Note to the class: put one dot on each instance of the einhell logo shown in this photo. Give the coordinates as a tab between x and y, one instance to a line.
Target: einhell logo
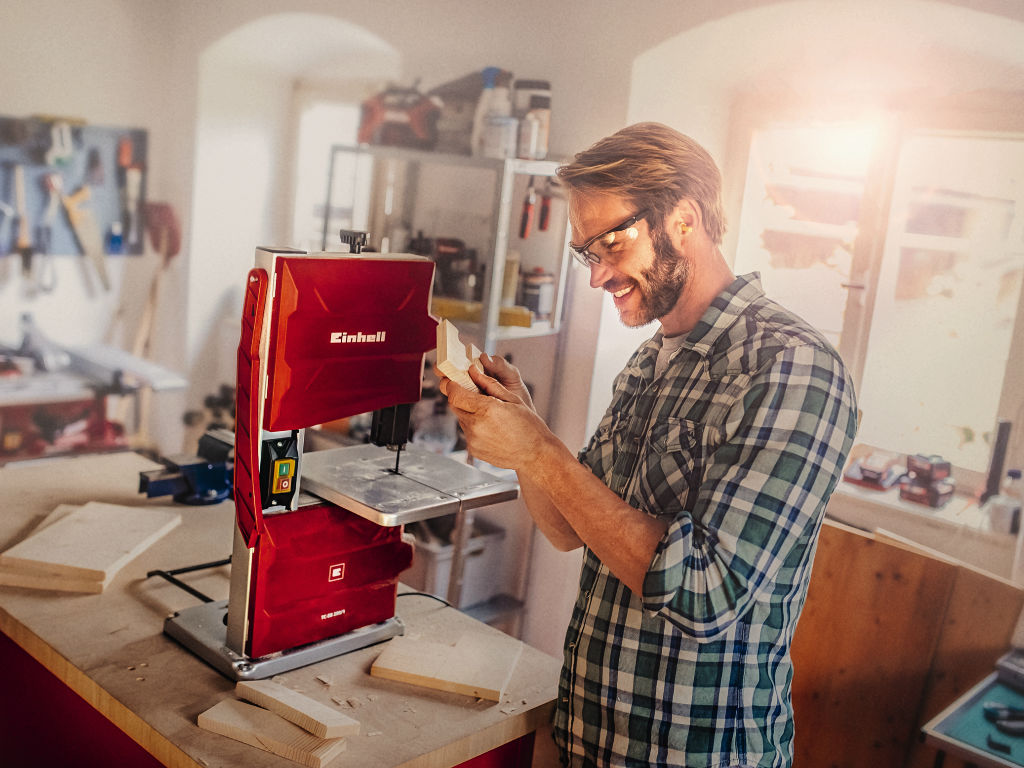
343	337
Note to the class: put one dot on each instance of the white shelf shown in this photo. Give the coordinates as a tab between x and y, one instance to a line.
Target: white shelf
498	229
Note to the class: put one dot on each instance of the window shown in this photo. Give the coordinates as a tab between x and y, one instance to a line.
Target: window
903	242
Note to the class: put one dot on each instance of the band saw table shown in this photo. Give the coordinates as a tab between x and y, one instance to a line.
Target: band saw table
110	651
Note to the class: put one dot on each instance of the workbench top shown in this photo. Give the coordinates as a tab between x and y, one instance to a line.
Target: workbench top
111	650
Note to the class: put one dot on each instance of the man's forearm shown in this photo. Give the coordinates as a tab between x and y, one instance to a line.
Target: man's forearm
545	514
622	537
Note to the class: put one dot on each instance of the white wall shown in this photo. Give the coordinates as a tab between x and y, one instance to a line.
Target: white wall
235	206
43	75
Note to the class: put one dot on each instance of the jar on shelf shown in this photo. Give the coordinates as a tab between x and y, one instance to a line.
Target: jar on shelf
539	293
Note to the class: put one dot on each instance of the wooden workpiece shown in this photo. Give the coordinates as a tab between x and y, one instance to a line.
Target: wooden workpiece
309	714
110	649
15	577
91	542
267	730
475	665
455	358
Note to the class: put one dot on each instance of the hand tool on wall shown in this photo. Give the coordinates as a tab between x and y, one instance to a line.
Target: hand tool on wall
62	146
87	233
129	180
23	240
165	237
7	215
46	280
132	196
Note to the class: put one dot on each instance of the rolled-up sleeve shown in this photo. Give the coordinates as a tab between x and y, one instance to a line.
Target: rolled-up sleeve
761	496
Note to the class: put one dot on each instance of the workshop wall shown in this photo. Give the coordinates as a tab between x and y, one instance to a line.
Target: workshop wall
107	64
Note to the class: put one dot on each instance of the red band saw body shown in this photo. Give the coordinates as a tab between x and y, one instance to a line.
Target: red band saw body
324	336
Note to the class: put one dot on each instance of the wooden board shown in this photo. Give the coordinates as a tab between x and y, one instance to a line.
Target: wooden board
977	628
93	542
476	665
261	728
863	648
307	713
454	358
14	577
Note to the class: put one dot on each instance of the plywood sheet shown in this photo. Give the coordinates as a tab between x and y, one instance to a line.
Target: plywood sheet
476	665
863	648
309	714
93	542
977	628
15	577
261	728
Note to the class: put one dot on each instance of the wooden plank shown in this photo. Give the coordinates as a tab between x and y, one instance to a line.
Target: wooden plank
14	577
307	713
270	732
476	665
977	628
93	542
454	358
10	577
862	650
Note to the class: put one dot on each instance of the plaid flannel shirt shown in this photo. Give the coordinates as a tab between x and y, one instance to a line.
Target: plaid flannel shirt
739	443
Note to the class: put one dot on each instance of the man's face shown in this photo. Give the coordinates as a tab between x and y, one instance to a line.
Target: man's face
641	268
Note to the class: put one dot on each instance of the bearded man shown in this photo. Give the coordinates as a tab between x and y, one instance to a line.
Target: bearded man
699	499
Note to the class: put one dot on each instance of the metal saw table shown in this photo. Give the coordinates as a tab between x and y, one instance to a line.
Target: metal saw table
109	650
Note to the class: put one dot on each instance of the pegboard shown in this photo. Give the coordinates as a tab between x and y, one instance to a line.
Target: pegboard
102	170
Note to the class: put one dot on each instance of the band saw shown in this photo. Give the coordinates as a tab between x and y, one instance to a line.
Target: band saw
318	541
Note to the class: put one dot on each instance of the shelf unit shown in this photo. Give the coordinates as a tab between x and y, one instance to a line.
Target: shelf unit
393	192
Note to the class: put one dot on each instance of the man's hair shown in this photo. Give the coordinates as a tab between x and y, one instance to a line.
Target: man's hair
655	167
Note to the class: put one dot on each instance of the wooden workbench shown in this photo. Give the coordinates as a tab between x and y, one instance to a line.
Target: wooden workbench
110	649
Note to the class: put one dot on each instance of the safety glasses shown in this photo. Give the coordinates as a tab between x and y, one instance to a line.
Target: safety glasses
607	244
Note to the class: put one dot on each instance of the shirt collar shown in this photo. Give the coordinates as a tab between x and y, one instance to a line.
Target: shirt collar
724	310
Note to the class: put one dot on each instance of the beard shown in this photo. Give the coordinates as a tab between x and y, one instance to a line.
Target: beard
661	284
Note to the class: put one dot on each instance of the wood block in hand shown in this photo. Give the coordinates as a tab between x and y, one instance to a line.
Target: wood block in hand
454	358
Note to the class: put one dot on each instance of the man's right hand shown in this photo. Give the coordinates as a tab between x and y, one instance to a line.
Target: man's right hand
508	376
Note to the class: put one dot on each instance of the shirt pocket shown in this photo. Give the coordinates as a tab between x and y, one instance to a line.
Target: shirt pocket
669	470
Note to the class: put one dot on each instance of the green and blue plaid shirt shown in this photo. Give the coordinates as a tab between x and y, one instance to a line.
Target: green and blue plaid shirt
739	443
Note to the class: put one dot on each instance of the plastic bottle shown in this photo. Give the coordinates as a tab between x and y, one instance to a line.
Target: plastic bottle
525	90
500	127
1004	508
539	292
483	108
534	128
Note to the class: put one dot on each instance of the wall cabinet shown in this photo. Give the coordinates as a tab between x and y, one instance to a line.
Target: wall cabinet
499	276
